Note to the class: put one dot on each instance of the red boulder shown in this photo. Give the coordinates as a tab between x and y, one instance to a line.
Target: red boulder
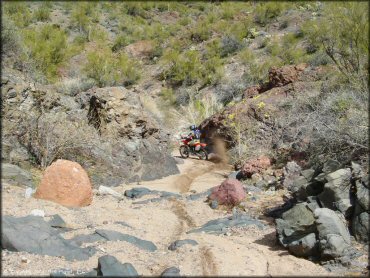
254	166
230	192
67	183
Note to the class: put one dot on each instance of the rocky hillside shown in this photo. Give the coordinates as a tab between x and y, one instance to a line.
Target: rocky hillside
107	130
279	91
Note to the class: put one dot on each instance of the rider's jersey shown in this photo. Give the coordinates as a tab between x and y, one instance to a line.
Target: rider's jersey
197	134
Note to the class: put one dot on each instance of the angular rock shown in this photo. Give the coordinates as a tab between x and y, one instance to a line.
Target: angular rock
284	75
333	233
336	192
360	224
29	192
196	196
357	172
362	196
32	234
104	190
235	175
308	174
137	192
80	239
304	247
38	212
230	192
122	223
171	272
178	243
214	204
109	266
331	166
219	226
291	171
14	175
66	183
140	243
295	223
255	166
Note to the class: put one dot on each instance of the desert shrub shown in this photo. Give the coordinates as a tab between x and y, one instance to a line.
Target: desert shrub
120	42
97	33
42	13
18	12
319	59
334	123
135	9
200	32
247	56
266	12
343	35
196	110
182	96
229	45
187	68
83	15
72	87
258	71
10	37
109	69
228	92
168	95
53	136
47	48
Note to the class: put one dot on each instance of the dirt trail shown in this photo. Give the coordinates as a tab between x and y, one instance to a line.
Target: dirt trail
245	251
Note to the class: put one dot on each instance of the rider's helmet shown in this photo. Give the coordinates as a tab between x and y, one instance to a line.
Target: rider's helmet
192	127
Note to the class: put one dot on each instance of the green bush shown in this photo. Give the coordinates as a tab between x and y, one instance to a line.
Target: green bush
120	42
265	12
48	48
247	56
229	45
10	37
109	69
168	96
200	32
42	13
343	34
19	13
188	68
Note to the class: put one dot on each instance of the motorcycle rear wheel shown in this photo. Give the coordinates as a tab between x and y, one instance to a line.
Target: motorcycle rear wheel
203	155
184	151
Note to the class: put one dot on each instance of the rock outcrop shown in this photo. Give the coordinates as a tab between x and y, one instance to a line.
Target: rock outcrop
129	143
332	203
66	183
32	234
255	166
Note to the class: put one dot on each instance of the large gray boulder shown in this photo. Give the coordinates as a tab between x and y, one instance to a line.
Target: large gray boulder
333	233
14	175
305	246
32	234
295	224
362	195
109	266
336	192
360	224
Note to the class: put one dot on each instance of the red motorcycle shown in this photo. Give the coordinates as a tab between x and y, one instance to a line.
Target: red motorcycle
198	149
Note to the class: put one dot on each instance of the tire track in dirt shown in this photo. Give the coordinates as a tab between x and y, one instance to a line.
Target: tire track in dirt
186	221
208	263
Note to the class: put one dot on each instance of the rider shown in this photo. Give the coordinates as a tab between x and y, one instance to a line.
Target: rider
194	135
